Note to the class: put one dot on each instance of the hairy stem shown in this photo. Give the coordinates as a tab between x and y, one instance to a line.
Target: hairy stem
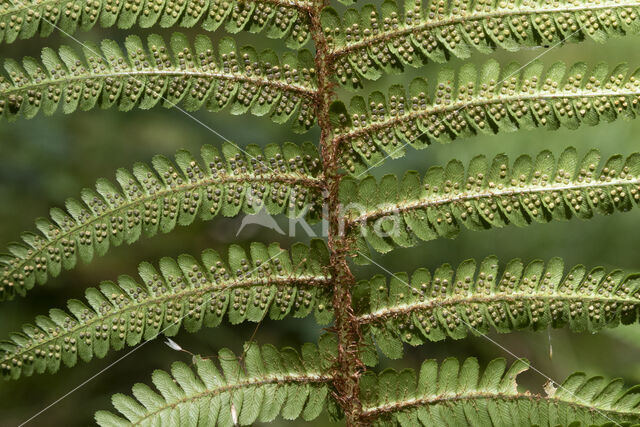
348	366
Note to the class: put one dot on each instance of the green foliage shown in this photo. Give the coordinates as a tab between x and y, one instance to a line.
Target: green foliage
278	19
183	292
458	395
309	182
259	386
178	73
450	303
489	194
370	43
474	102
280	179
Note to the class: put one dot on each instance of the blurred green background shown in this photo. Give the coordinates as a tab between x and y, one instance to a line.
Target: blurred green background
46	160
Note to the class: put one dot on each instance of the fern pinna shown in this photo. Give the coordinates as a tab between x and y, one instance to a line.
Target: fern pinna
330	181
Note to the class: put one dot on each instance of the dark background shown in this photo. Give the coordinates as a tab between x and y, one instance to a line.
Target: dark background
46	160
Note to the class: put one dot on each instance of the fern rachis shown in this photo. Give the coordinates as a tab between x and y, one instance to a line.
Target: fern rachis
329	181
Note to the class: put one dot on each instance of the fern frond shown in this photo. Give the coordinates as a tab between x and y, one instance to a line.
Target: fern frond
475	299
368	43
192	76
156	199
259	386
458	395
277	18
469	103
183	292
487	195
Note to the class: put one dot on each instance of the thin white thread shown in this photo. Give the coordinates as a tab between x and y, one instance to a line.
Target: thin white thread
173	104
506	350
139	346
462	108
251	156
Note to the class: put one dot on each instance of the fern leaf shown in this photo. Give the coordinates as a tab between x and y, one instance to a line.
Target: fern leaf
192	76
179	293
151	200
489	194
467	104
259	386
276	18
368	43
451	303
459	395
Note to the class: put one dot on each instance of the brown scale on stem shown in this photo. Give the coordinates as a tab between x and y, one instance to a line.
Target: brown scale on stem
348	366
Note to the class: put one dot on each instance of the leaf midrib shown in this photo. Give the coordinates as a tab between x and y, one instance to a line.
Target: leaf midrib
466	196
283	178
461	105
486	299
477	395
367	41
27	6
257	382
311	280
306	91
